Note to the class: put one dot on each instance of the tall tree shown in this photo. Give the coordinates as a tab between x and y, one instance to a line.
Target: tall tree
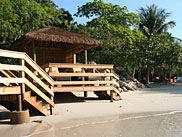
111	24
18	17
153	20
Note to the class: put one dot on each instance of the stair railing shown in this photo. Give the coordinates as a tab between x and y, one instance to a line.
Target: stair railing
30	75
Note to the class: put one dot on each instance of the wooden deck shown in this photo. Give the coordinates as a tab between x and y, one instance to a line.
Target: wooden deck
83	77
28	81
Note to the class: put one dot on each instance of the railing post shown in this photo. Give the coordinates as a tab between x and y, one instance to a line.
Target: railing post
20	97
111	92
52	98
83	79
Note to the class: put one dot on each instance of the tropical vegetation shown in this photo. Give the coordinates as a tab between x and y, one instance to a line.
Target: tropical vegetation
139	45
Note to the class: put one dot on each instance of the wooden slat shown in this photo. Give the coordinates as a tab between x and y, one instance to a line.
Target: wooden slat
54	75
41	94
42	84
86	88
22	55
10	90
8	73
13	80
11	67
116	90
11	54
115	83
4	81
39	69
67	65
81	82
115	75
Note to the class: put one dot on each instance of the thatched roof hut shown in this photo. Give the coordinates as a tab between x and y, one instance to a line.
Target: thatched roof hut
53	44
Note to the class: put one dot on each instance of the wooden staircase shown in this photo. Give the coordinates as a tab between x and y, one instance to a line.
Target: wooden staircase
24	85
32	100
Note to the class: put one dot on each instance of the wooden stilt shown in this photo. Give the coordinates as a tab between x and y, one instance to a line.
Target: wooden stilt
52	108
85	59
19	103
111	93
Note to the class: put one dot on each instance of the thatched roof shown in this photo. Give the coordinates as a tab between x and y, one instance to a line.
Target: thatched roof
55	34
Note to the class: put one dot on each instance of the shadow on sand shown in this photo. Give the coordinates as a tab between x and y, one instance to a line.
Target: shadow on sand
4	116
71	98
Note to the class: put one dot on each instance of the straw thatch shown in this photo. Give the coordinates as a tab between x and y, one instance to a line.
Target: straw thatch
55	34
53	44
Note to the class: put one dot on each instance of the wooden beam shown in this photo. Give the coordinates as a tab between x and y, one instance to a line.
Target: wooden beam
55	75
85	54
81	82
11	67
69	65
8	73
13	80
4	81
74	58
10	90
34	51
81	89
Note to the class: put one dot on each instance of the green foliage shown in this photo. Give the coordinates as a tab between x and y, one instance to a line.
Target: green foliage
153	20
18	17
111	24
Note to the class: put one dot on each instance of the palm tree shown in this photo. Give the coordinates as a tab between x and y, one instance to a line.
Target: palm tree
152	20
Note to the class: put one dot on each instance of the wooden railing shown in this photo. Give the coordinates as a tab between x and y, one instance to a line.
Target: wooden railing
100	76
28	75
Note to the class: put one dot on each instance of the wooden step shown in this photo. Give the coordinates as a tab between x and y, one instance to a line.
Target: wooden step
32	100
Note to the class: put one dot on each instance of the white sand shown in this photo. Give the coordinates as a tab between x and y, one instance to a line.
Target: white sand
161	98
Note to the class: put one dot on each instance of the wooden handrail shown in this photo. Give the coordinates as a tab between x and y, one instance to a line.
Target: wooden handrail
23	55
68	65
81	82
29	73
41	94
80	74
4	81
13	80
23	69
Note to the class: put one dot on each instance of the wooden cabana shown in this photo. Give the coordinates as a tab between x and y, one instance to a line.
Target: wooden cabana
54	45
55	51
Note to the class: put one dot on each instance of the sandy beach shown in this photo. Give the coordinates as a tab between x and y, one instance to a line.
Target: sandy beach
81	117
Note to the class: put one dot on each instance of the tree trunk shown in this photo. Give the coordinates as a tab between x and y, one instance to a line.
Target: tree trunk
148	75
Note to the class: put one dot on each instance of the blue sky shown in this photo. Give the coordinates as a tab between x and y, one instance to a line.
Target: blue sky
172	6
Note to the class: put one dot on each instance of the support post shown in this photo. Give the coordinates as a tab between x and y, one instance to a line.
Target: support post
34	51
85	61
111	92
52	108
20	97
74	58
